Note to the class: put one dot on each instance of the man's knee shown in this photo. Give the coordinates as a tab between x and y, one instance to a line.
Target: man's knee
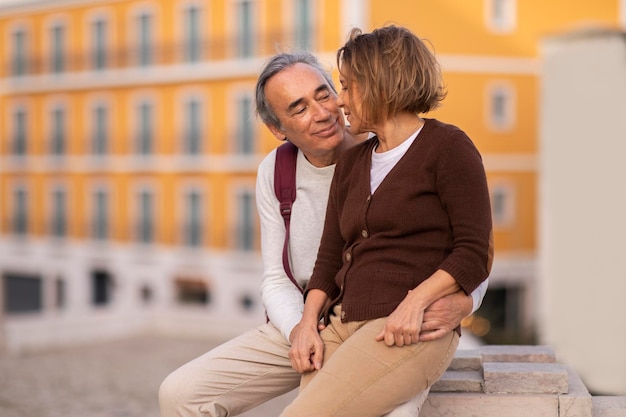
175	395
168	395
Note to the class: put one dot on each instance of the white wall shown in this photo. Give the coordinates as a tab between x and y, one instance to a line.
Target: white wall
582	227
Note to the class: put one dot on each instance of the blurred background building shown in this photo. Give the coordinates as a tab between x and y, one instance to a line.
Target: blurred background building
129	147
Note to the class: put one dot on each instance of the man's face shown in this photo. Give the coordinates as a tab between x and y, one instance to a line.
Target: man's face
307	109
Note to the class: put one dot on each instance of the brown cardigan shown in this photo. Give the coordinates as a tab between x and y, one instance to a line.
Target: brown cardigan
431	212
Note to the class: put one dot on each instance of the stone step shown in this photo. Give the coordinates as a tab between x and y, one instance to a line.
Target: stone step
577	401
524	378
517	353
442	404
459	381
608	406
466	360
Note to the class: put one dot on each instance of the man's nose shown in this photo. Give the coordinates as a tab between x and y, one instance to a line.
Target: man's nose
321	112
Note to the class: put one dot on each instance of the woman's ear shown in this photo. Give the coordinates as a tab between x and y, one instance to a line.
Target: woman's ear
277	132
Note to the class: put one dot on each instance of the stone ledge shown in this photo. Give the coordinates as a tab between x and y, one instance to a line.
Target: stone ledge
483	405
577	401
517	353
459	381
514	381
466	360
608	406
524	378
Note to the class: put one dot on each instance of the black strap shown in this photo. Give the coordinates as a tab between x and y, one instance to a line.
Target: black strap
285	189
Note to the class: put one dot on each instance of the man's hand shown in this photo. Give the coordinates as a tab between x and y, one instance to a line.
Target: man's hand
444	315
307	349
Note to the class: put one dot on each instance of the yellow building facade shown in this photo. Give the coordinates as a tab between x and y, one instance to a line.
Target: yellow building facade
129	147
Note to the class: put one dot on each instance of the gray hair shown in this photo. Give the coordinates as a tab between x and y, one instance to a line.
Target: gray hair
275	65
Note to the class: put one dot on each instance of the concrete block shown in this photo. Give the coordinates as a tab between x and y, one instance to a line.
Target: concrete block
524	378
466	360
608	406
481	405
517	353
459	381
577	401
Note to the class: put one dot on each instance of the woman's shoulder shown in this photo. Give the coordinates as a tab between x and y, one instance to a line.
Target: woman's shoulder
442	129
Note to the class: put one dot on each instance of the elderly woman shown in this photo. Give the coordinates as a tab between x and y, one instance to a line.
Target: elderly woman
408	221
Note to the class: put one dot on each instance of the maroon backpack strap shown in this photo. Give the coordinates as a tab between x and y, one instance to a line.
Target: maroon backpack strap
285	189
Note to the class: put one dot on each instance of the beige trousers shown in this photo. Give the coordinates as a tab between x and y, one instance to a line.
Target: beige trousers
361	377
239	375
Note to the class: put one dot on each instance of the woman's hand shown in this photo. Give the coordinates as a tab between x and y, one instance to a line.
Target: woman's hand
403	325
307	349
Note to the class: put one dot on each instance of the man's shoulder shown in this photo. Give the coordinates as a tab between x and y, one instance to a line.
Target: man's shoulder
266	167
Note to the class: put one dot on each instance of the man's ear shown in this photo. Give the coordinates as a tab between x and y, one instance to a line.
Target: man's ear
277	132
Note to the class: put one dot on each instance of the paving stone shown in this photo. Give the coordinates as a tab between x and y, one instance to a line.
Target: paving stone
524	378
577	401
481	405
466	360
608	406
459	381
517	353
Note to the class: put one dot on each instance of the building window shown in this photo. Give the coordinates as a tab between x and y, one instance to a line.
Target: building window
22	293
58	224
500	15
192	221
100	134
501	107
19	218
145	221
245	129
245	29
101	287
19	65
192	127
57	53
304	26
192	291
502	205
500	318
19	132
99	44
100	220
192	43
245	221
57	131
60	296
144	135
145	53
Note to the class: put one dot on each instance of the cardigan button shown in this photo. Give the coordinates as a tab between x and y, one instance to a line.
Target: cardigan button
364	233
348	257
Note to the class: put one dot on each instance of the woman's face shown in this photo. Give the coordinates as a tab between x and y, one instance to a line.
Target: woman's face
350	102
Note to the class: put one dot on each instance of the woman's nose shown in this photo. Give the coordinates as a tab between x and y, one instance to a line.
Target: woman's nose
340	101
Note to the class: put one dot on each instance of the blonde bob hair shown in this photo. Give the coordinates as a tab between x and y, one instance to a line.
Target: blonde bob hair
394	70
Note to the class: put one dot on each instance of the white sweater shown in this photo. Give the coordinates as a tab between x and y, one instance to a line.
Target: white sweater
282	300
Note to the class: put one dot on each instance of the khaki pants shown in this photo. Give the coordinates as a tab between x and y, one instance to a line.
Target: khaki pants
239	375
232	378
361	377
